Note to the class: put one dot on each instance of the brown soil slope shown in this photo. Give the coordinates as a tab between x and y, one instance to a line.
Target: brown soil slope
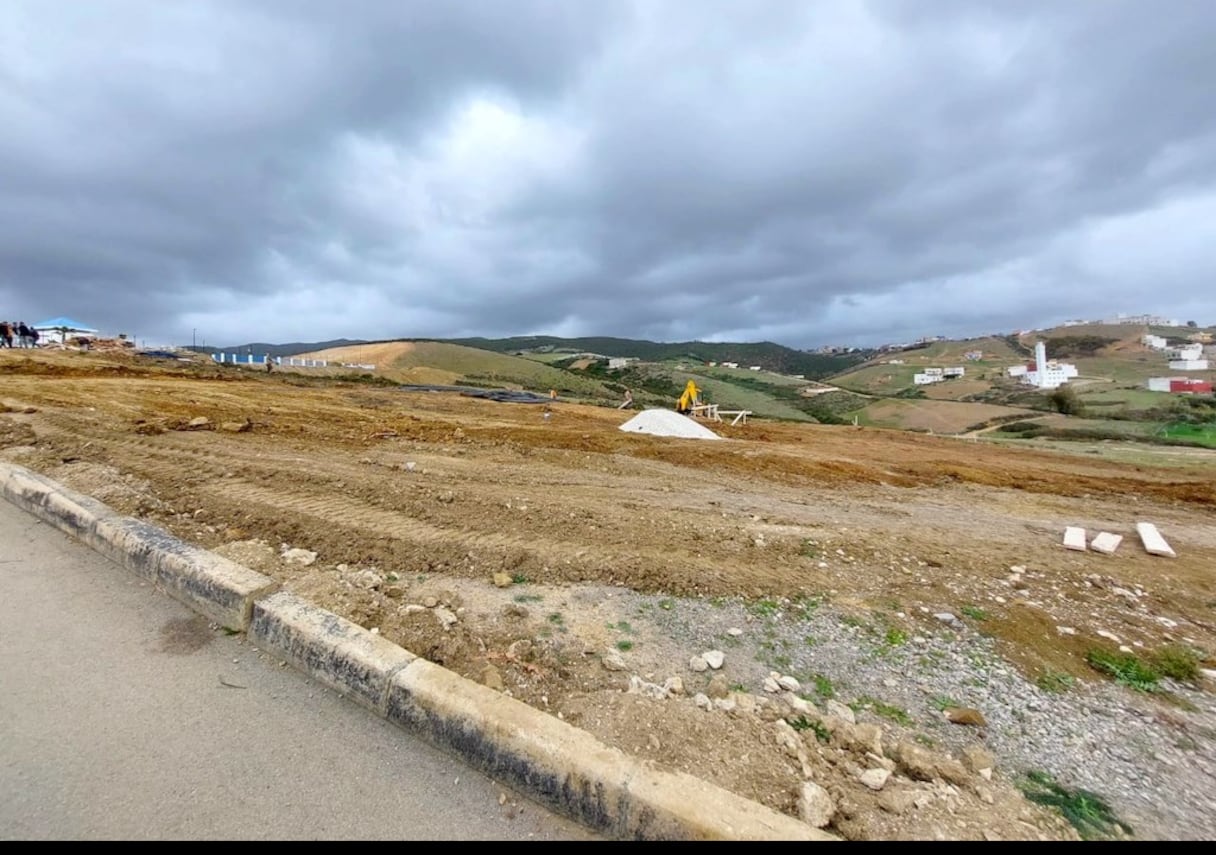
603	541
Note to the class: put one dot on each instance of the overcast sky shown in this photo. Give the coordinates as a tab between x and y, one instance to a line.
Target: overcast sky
730	170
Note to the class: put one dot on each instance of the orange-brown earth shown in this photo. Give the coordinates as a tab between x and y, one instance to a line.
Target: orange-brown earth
560	559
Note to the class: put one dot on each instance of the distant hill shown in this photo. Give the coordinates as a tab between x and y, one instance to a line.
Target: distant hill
443	363
768	355
294	348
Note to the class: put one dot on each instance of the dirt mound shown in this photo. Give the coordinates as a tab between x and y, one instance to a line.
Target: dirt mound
667	423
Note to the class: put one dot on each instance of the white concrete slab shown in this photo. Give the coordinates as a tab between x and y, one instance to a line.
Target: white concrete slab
1153	542
1105	542
1074	538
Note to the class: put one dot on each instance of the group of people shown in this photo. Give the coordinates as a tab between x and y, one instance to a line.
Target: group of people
19	331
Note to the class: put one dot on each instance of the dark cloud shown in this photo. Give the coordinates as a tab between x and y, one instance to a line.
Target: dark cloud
807	173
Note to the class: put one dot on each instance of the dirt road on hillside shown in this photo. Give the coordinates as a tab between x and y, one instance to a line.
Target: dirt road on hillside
584	569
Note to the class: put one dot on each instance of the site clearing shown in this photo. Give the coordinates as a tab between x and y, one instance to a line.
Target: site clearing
909	652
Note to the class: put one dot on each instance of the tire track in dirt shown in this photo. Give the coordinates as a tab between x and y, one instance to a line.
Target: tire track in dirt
351	513
222	473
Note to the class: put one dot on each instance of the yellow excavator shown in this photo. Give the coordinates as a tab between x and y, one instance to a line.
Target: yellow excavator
690	398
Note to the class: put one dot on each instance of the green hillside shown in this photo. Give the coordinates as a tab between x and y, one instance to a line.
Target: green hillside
770	356
487	368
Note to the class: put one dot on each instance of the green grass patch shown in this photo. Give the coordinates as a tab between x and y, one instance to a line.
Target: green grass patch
556	618
943	702
824	687
764	608
519	579
1125	668
667	604
975	613
1177	663
895	637
624	644
1055	682
887	711
1088	812
528	598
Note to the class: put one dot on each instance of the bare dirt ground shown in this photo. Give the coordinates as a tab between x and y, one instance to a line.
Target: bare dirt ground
893	581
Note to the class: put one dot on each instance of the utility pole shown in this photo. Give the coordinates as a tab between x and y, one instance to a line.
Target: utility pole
193	339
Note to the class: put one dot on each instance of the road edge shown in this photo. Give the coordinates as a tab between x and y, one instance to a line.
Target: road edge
558	765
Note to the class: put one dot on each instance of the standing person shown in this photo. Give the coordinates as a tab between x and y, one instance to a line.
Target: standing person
34	336
6	334
628	402
23	334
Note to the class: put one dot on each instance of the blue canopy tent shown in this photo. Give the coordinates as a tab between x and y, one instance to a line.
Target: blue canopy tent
61	329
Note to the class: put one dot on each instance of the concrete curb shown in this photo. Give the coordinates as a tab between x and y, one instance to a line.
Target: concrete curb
559	765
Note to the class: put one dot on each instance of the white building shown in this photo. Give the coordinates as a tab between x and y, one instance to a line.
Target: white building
925	378
1143	320
1156	342
1188	365
957	371
1017	371
1186	351
1045	374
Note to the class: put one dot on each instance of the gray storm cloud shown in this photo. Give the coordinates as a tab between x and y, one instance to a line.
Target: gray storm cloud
851	172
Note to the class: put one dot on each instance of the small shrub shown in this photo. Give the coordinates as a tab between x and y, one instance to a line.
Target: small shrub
555	618
519	579
1177	663
824	687
624	645
1088	812
975	613
802	723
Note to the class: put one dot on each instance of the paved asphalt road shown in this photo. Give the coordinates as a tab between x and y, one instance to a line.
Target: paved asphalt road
124	716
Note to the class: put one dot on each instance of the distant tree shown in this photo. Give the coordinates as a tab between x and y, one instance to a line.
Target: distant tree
1065	400
1192	324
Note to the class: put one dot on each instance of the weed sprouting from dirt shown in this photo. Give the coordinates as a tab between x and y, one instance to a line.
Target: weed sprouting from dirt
802	723
824	687
1088	812
624	645
519	579
975	613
